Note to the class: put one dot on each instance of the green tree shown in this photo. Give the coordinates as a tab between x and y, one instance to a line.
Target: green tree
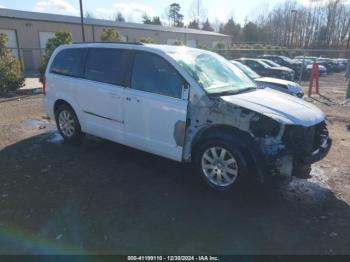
60	38
232	29
11	75
175	15
251	32
119	17
146	19
206	26
110	35
151	21
193	24
147	40
89	15
220	45
156	21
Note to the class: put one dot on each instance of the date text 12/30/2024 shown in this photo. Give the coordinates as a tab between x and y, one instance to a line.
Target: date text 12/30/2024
173	258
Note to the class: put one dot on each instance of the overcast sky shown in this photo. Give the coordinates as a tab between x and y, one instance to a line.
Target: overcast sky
133	9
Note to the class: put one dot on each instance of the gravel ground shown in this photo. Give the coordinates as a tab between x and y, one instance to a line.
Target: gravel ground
103	198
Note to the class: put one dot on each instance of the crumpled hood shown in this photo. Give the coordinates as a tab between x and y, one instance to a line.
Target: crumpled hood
283	108
274	80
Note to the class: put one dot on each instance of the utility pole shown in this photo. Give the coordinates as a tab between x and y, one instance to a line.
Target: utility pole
198	12
293	29
347	78
82	20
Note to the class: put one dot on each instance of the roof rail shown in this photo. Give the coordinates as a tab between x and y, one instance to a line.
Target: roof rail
124	43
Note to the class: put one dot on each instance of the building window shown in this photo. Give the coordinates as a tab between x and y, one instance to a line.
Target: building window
11	40
44	38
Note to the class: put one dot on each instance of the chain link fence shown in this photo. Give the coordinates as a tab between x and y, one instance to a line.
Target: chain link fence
329	60
31	57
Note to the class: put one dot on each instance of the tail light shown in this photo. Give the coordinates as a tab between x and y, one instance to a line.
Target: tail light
44	85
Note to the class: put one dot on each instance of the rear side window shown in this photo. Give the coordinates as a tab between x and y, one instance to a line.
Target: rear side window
108	65
153	74
69	62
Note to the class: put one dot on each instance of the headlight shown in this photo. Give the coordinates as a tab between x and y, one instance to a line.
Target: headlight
295	88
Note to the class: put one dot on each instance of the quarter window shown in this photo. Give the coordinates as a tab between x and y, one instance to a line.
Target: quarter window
69	62
153	74
108	65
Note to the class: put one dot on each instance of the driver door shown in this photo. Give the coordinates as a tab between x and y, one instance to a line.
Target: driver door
155	107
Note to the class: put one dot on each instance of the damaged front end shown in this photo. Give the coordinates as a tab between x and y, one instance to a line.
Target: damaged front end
275	148
289	150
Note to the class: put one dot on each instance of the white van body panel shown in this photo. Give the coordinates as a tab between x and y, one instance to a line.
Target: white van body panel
150	122
146	121
101	105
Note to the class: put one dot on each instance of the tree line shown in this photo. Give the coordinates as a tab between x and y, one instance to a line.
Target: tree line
320	24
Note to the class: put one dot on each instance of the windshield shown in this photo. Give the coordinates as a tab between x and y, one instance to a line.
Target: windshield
264	64
212	72
249	72
271	63
287	59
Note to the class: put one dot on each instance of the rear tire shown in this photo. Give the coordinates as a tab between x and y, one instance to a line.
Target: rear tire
68	124
219	164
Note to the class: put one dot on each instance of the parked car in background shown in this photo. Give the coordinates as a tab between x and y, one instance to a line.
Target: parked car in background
343	61
328	63
309	64
340	65
332	65
271	63
184	104
264	69
281	85
285	61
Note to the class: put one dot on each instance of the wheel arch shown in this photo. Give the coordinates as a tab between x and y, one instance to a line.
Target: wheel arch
242	140
60	102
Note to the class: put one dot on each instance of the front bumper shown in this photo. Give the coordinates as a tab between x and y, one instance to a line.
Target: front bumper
320	153
302	147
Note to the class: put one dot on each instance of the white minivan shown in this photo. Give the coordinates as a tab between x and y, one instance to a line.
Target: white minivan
185	104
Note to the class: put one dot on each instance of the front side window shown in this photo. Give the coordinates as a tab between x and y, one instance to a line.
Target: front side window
153	74
69	62
213	73
108	65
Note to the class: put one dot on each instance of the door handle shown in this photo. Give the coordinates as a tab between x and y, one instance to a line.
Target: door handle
136	99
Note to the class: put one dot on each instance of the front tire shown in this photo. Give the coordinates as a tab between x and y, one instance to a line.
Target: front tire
220	164
68	124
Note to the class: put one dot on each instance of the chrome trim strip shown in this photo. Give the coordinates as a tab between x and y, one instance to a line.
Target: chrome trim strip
107	118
